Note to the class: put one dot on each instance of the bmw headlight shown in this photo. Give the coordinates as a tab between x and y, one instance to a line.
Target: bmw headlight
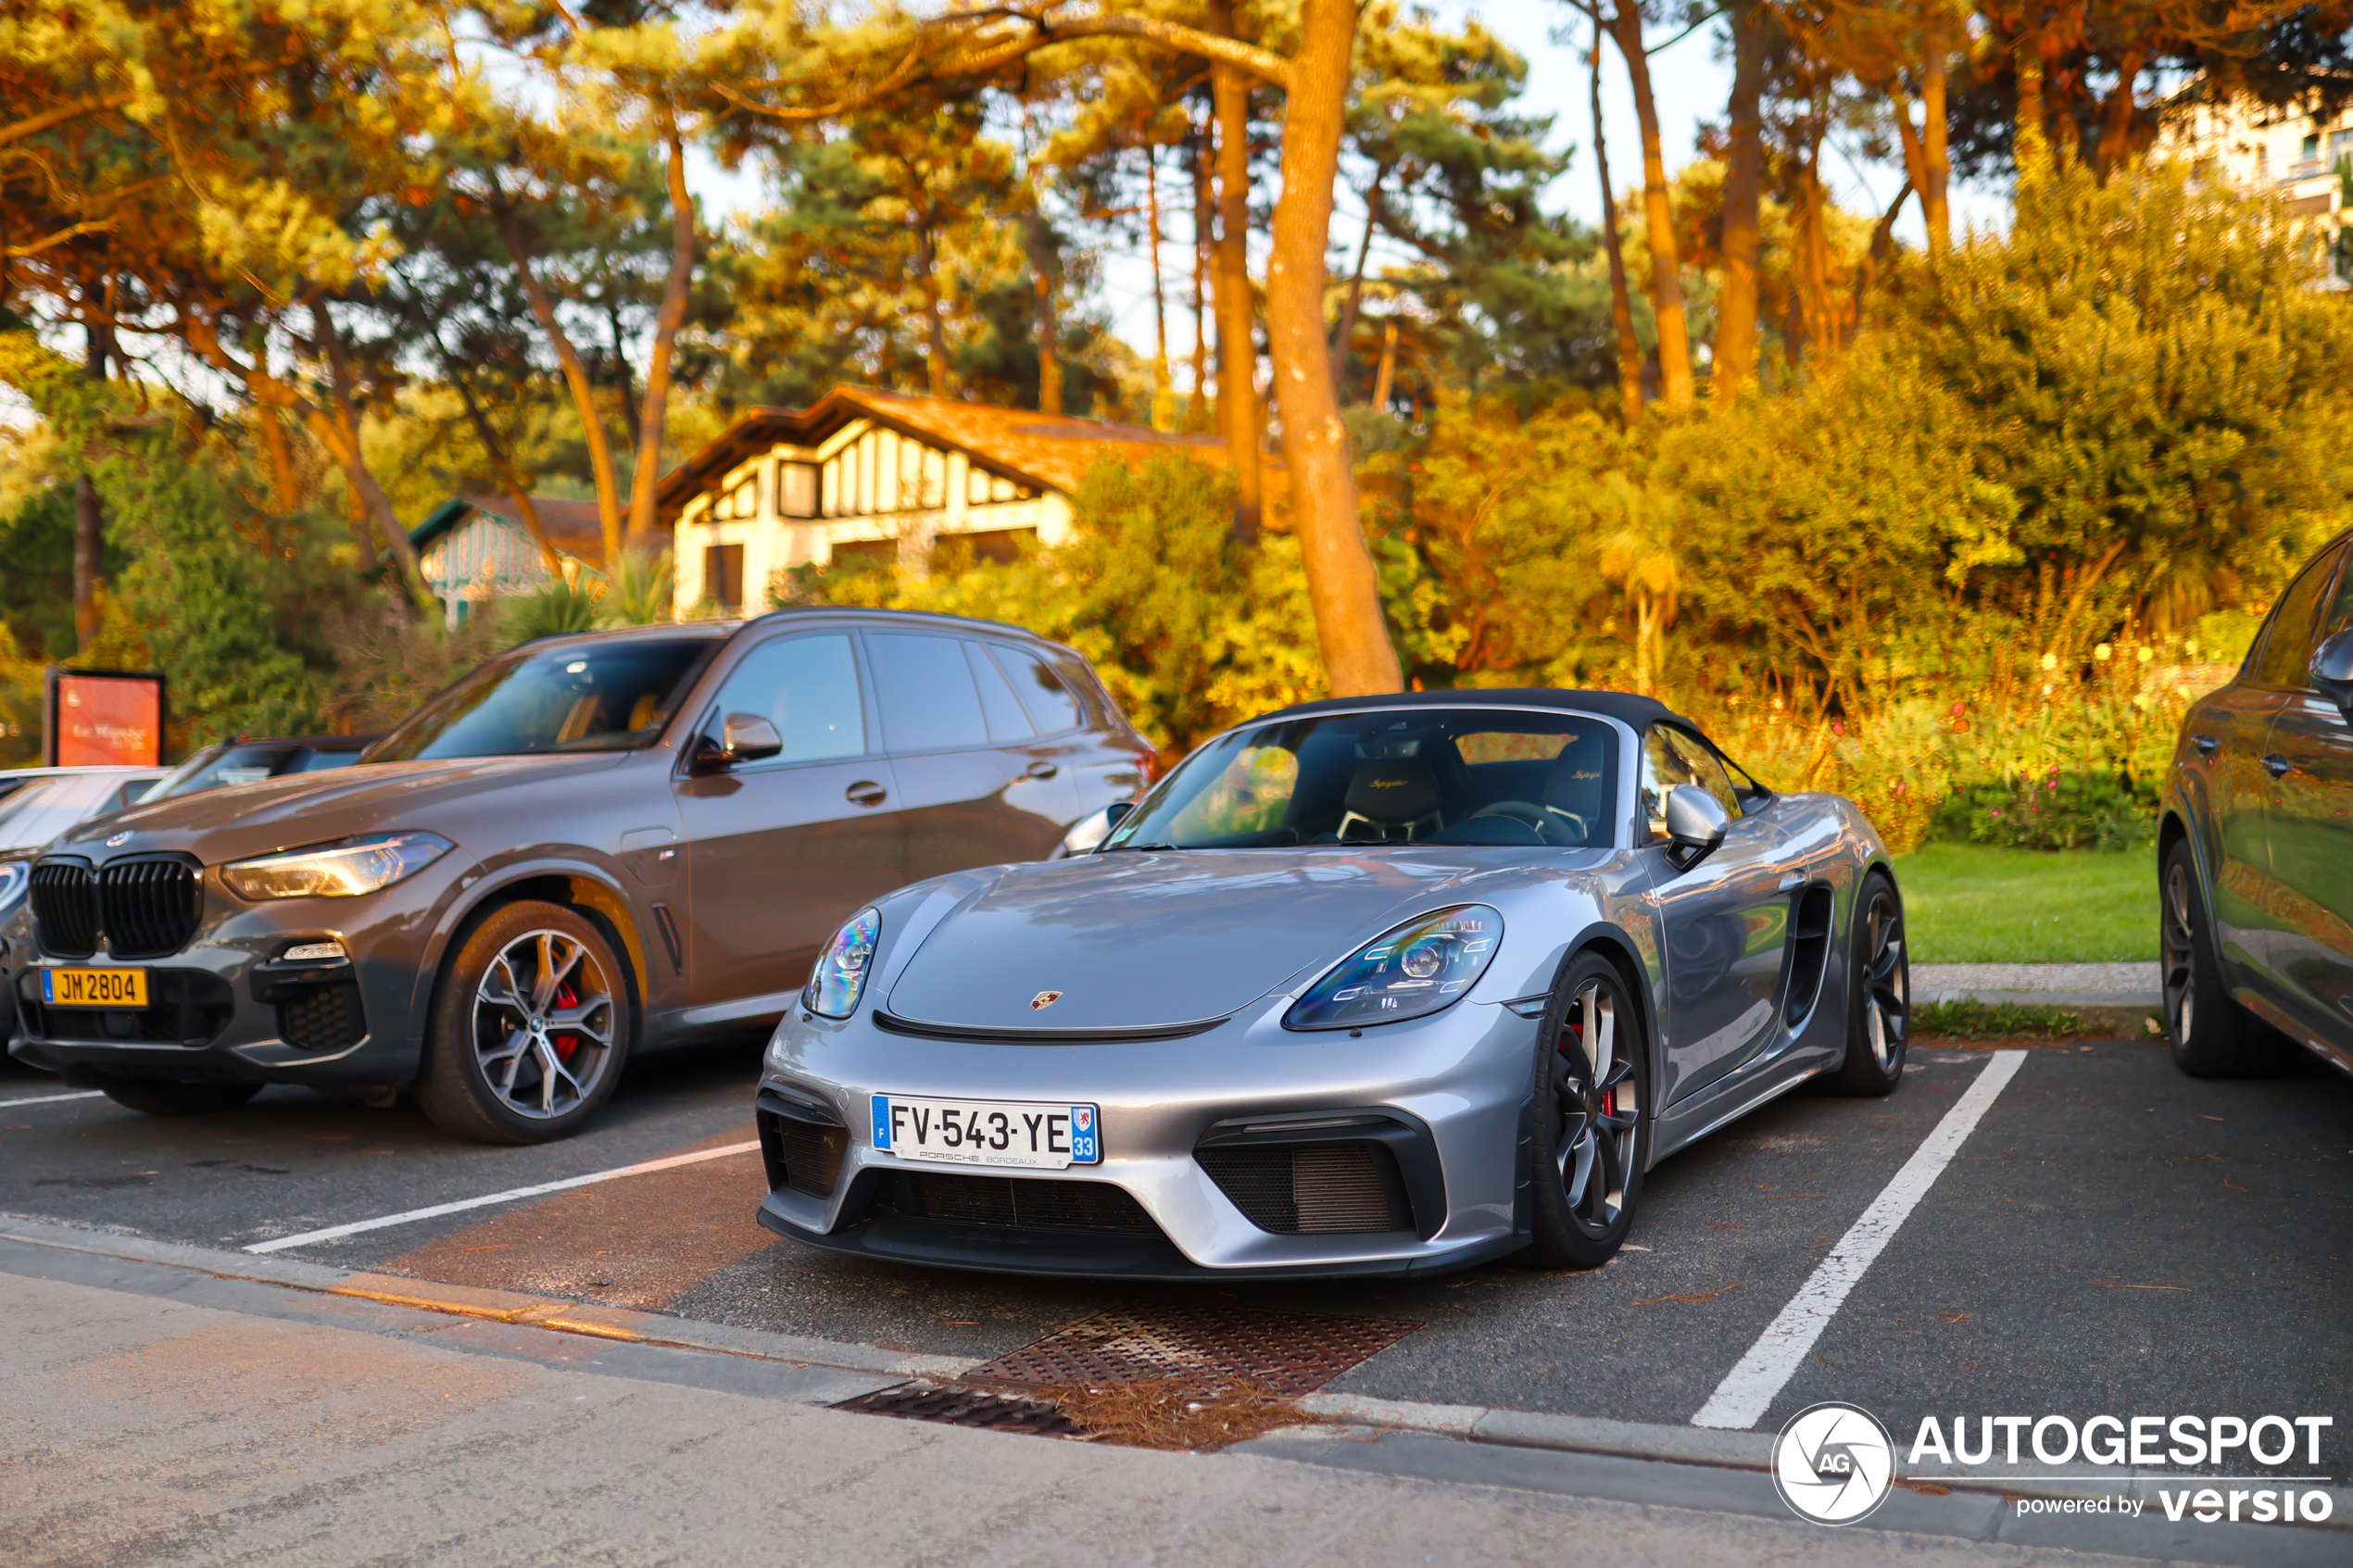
1413	970
15	875
344	869
840	978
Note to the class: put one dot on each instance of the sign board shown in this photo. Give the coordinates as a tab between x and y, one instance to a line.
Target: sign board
97	717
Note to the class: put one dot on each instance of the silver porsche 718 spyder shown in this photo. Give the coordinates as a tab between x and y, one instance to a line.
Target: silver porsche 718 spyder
1387	984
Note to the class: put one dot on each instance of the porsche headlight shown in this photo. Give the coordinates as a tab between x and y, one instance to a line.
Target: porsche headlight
1410	971
337	871
840	976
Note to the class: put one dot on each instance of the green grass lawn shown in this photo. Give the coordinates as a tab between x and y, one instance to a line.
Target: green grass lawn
1969	903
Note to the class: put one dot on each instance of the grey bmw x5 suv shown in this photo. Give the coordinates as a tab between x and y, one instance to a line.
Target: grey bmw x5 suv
2254	852
590	846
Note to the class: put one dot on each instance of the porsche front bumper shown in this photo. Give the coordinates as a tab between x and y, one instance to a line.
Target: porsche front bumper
1241	1150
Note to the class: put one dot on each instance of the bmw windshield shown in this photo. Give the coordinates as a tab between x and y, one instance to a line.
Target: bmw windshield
581	696
1444	775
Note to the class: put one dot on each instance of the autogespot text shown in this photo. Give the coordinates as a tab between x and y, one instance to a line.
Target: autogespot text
2142	1444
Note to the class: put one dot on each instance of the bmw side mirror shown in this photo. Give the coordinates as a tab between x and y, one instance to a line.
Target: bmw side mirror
744	737
1086	834
1695	825
2333	671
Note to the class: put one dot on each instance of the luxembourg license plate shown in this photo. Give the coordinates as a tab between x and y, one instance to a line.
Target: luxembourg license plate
989	1132
94	987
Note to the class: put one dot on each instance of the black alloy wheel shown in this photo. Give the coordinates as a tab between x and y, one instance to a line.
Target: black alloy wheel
1592	1082
2211	1036
529	1030
1879	1012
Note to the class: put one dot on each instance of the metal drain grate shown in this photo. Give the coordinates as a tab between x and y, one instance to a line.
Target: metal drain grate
967	1407
1287	1353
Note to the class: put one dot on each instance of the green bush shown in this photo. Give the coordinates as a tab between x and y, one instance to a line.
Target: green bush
2086	809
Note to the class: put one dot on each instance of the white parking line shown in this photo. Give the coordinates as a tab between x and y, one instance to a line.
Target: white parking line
1747	1391
52	1099
332	1231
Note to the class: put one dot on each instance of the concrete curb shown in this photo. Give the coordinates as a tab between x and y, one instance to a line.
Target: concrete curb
1474	1424
496	1306
1735	1450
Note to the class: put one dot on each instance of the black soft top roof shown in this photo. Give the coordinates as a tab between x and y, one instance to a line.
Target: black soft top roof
1635	712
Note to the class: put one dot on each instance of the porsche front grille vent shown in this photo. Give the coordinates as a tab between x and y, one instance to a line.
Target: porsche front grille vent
1026	1203
812	1154
149	909
65	909
1313	1189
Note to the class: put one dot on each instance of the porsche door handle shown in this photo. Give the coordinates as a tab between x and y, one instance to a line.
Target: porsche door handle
2207	745
2278	766
866	791
1040	770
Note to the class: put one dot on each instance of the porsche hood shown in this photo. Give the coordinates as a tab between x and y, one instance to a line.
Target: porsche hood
1138	940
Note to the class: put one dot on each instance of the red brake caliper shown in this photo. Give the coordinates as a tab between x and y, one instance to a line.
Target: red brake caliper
566	1044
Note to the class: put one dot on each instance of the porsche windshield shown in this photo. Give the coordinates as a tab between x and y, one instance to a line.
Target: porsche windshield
584	696
1466	775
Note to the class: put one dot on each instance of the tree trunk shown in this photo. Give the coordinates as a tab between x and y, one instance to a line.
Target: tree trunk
1384	378
584	394
1667	272
286	489
1622	303
89	516
517	486
1164	384
1204	230
2116	124
1743	186
667	322
2030	150
1882	246
1041	276
1935	206
935	329
1344	336
1238	413
375	506
1358	657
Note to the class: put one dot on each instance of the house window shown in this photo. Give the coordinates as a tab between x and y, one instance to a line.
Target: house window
796	489
742	501
723	577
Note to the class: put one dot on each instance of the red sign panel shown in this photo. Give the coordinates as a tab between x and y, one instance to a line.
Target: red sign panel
102	716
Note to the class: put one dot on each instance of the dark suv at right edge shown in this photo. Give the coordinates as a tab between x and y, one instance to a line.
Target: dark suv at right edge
590	846
2255	850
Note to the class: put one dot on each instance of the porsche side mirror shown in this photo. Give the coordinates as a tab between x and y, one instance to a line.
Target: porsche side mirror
744	737
2333	671
1695	825
1086	834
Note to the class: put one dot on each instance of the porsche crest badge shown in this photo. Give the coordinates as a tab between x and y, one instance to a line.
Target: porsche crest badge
1044	999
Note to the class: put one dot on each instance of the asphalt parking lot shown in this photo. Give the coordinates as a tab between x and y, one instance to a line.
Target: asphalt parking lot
2112	1237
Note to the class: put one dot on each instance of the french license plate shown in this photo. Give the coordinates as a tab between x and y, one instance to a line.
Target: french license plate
989	1132
94	987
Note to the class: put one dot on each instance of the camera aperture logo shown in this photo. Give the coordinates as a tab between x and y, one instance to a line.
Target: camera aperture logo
1834	1463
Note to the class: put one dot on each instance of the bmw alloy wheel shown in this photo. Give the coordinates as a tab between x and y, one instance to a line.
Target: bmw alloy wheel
544	1022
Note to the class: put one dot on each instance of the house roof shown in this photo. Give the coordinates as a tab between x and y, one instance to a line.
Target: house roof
576	528
1045	451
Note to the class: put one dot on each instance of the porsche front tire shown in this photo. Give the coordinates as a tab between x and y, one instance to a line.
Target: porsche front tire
1592	1092
1879	992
